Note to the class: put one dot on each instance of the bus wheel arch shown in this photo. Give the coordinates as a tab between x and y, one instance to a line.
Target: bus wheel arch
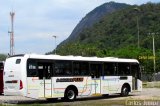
70	93
125	89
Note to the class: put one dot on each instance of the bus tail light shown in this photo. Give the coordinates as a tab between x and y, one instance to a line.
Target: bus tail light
21	84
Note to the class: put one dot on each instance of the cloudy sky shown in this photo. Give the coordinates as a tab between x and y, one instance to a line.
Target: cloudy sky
36	21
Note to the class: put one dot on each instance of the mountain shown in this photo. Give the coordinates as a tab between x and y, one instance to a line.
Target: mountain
115	35
93	17
117	32
119	29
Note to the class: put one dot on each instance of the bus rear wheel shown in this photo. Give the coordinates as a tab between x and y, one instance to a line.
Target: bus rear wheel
70	95
124	91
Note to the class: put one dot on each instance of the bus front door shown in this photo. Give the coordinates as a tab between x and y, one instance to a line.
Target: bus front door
45	70
96	70
136	75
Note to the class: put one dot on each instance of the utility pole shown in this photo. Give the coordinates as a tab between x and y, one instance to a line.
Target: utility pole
138	30
154	54
10	33
137	19
55	43
12	52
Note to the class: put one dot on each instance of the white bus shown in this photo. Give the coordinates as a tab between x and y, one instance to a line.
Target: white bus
54	76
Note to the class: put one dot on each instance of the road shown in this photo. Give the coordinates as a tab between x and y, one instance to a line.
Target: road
146	94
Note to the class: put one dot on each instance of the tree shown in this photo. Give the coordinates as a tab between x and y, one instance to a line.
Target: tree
3	57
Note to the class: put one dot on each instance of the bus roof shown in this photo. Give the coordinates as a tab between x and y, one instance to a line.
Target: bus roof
79	58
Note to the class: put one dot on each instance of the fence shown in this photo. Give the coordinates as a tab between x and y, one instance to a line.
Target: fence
151	77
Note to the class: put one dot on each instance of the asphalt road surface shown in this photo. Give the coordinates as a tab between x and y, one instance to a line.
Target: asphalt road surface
146	94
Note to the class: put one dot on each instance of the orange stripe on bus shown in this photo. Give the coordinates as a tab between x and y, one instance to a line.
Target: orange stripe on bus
84	90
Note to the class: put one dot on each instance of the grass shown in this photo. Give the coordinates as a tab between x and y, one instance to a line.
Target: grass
151	84
87	102
99	102
81	103
93	101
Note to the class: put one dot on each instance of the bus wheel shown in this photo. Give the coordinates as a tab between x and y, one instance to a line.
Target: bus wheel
70	95
124	91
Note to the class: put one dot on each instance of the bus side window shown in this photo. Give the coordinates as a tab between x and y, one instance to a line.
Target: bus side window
40	71
124	69
18	61
45	70
80	68
110	69
84	68
63	68
31	69
76	68
96	70
49	71
68	68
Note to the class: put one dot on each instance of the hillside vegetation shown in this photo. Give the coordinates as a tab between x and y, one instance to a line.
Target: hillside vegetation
115	35
3	57
94	16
